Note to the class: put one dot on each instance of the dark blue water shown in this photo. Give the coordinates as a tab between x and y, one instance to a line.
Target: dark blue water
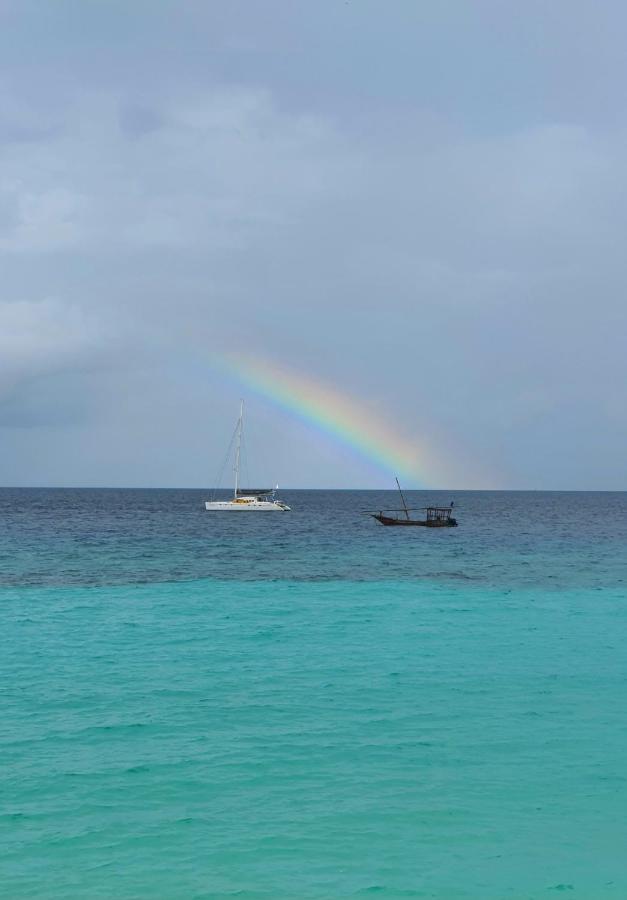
83	537
310	705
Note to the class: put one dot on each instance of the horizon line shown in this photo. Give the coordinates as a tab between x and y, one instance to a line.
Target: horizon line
126	487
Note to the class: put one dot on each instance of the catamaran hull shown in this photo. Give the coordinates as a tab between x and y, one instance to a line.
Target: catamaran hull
233	506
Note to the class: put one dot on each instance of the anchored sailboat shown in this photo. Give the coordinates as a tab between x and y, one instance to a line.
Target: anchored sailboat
437	516
246	498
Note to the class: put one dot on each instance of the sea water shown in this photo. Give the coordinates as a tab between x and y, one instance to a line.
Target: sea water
308	704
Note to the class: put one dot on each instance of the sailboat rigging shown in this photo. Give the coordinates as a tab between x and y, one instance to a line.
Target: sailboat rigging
246	498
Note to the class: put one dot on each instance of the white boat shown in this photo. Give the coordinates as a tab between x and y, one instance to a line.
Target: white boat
246	498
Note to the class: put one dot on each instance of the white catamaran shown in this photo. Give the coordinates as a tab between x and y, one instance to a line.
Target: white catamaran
246	498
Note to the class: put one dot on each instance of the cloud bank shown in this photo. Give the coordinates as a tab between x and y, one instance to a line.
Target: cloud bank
427	219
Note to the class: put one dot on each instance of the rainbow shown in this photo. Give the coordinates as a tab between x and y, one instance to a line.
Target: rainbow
334	413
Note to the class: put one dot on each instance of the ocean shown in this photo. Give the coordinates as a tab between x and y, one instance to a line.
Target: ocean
308	704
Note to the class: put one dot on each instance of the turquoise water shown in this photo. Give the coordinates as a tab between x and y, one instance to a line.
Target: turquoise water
312	706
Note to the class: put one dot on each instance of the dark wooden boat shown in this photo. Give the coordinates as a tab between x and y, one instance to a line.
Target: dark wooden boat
436	516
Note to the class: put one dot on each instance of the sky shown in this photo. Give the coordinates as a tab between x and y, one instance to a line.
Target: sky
415	209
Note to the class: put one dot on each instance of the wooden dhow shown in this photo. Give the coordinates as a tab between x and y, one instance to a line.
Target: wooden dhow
436	516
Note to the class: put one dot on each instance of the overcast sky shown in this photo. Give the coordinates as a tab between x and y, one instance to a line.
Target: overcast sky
420	204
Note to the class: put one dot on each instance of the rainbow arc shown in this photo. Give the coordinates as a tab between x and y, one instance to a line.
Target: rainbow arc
335	413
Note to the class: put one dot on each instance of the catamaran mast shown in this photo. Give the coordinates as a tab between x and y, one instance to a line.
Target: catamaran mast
240	425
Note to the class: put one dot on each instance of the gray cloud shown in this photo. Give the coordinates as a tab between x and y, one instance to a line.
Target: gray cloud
422	207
